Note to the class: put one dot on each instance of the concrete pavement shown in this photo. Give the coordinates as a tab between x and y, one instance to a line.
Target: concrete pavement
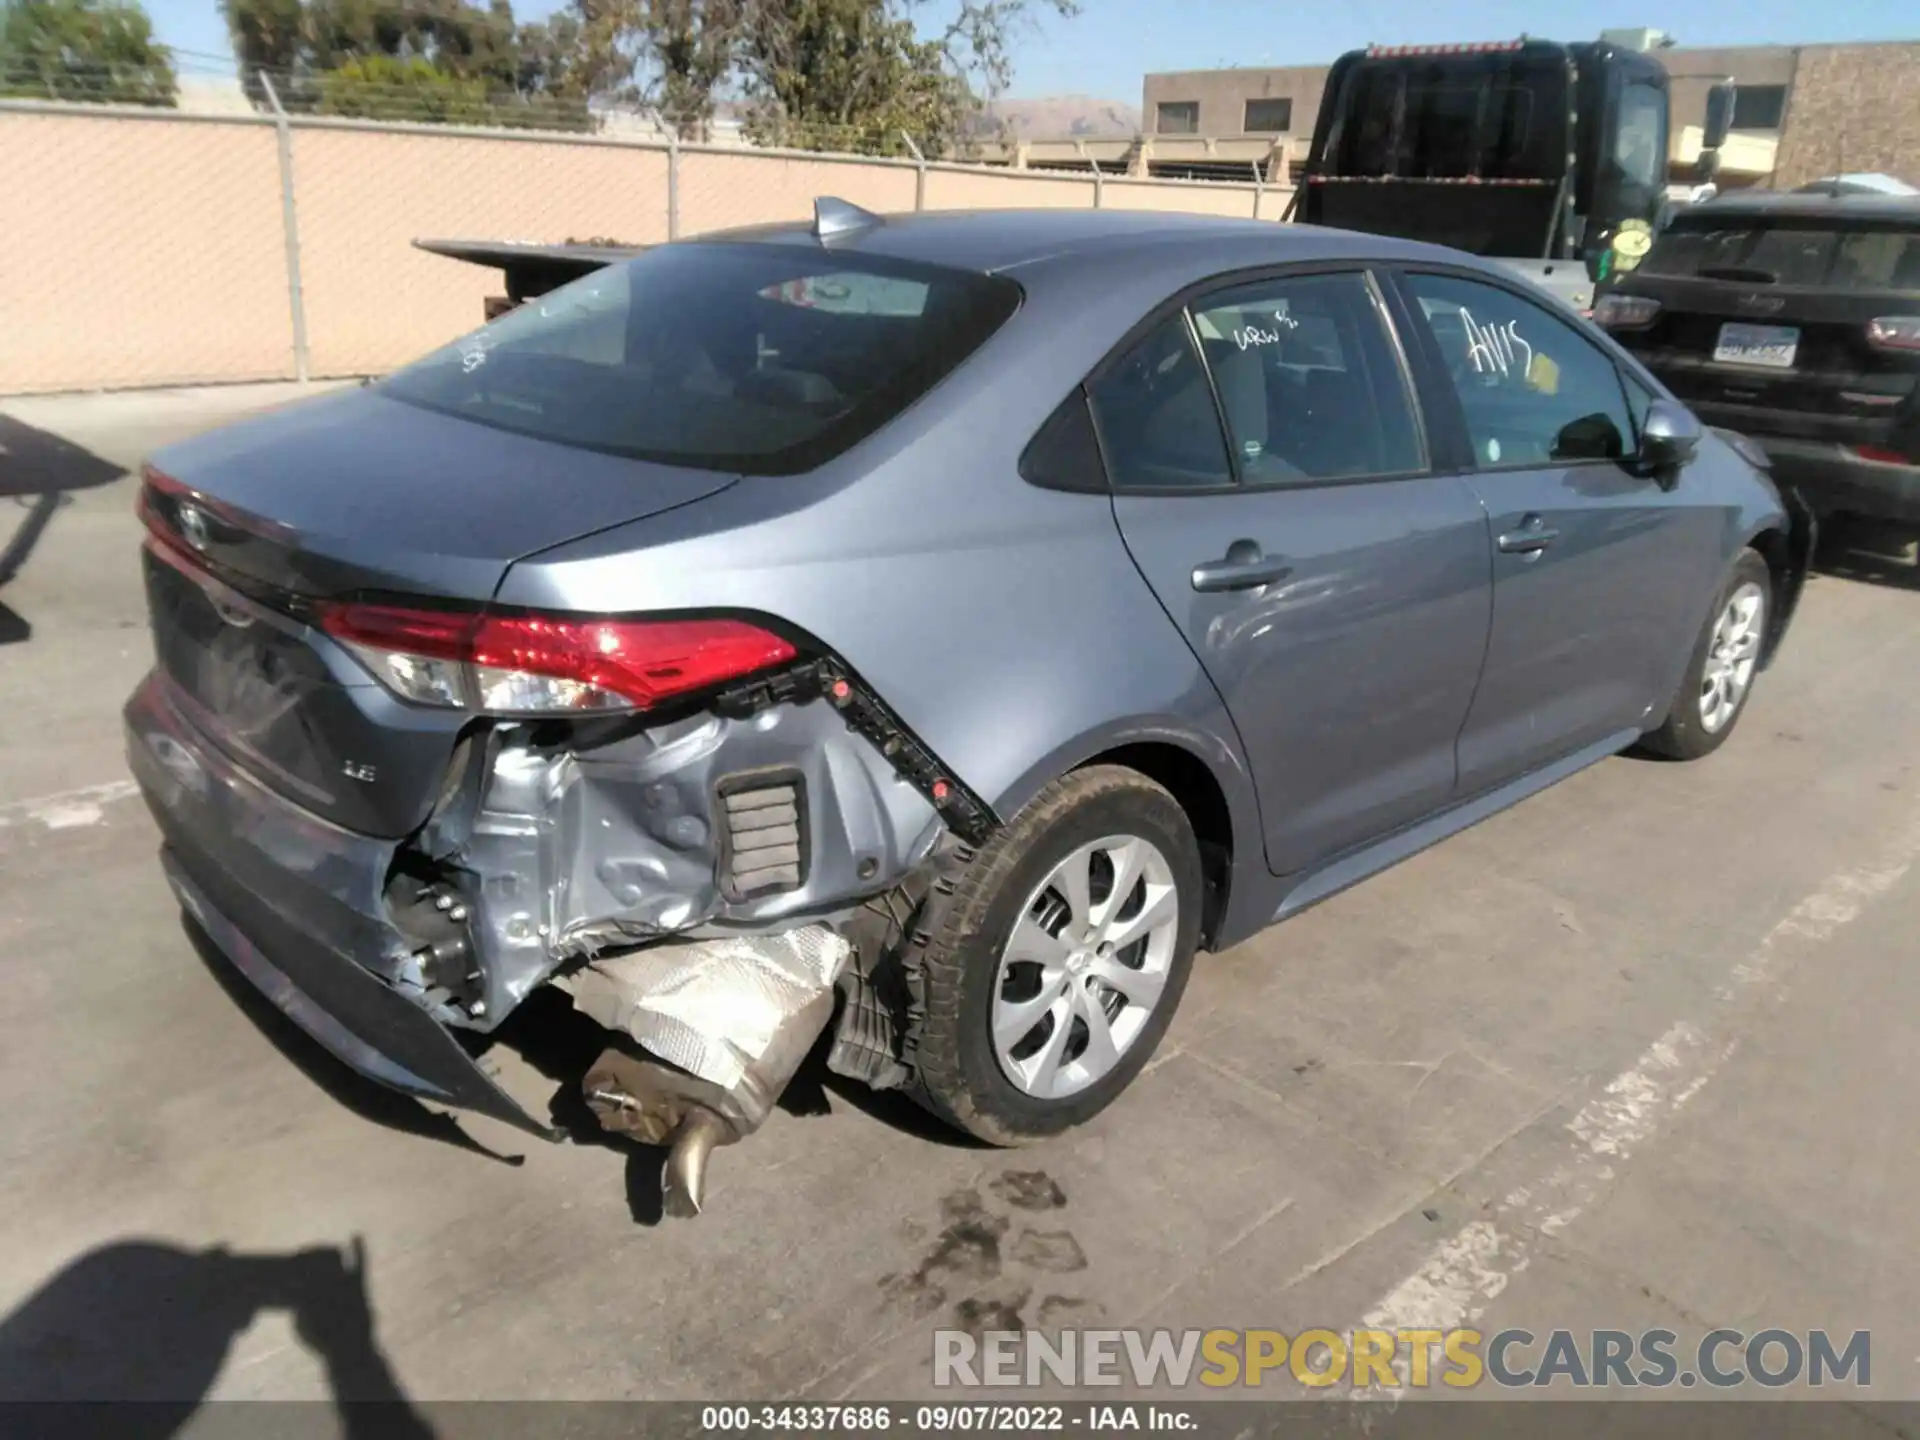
1636	1053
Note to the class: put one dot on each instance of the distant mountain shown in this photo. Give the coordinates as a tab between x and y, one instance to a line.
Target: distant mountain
1060	117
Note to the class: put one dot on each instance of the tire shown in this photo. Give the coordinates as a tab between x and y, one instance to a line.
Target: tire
1697	725
955	959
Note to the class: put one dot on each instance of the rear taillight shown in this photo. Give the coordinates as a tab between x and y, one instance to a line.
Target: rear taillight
1894	332
545	664
1882	455
1625	312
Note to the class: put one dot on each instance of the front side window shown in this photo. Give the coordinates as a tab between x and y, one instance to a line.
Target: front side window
1640	139
1158	426
1308	380
1532	389
754	358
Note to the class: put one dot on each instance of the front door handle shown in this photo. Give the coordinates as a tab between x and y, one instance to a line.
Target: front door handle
1533	536
1244	567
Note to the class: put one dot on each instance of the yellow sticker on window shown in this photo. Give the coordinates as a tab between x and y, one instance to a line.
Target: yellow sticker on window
1543	375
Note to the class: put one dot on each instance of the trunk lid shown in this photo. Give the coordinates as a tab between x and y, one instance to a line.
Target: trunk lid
358	492
353	494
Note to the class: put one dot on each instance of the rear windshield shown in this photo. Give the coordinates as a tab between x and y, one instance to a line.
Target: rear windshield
1758	253
766	359
1492	119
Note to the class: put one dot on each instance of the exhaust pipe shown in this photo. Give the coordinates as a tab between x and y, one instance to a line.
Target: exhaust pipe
683	1179
730	1019
659	1106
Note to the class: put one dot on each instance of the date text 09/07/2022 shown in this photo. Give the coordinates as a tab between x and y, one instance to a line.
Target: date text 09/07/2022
945	1419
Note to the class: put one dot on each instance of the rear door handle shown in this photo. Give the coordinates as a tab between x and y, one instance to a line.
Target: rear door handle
1244	567
1533	536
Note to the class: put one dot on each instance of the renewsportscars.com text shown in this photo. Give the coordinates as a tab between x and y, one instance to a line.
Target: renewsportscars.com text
1400	1359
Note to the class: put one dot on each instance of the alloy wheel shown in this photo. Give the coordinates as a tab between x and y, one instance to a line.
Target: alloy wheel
1085	966
1732	654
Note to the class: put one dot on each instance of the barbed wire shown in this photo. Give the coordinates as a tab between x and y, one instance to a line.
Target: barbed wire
210	85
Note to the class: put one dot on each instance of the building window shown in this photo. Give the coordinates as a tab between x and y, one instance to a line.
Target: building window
1759	107
1177	117
1269	117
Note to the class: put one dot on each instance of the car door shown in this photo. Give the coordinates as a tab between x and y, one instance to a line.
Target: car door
1271	479
1597	563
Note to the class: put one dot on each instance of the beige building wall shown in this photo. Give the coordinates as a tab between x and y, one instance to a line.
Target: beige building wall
957	188
1691	72
1853	107
1222	96
137	248
364	196
146	248
1201	196
719	190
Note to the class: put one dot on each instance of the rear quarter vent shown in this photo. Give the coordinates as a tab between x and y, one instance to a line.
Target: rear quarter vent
763	833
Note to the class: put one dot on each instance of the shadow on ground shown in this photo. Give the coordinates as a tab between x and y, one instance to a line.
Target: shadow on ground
142	1328
365	1098
1868	552
38	472
560	1044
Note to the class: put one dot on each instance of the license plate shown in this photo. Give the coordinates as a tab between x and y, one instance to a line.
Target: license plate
1769	346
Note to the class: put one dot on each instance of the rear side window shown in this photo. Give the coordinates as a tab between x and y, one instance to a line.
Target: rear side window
1308	380
759	358
1158	426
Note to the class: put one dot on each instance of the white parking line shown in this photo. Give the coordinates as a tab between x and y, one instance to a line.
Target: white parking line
69	808
1462	1275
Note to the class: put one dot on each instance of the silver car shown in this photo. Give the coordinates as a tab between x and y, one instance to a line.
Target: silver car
922	632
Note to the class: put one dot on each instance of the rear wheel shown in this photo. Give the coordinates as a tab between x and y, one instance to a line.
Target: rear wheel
1724	662
1050	967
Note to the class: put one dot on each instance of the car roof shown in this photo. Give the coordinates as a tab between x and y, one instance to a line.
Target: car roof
997	240
1797	205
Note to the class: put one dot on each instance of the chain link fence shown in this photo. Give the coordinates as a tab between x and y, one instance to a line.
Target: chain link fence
153	246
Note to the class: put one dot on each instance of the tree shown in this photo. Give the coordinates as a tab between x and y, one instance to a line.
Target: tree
847	74
83	50
819	73
670	54
380	87
413	58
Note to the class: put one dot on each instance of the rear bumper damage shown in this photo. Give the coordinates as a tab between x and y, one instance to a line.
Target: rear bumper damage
702	888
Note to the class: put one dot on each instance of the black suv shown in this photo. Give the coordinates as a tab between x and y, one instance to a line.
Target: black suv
1794	319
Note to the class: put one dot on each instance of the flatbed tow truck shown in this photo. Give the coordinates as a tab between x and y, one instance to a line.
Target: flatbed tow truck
1550	158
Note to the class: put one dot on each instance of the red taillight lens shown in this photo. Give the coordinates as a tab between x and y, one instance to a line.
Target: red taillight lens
1882	454
546	664
1894	332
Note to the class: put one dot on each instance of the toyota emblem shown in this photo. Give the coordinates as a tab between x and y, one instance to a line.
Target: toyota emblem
193	525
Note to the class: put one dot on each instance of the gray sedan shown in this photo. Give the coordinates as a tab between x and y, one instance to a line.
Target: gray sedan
922	632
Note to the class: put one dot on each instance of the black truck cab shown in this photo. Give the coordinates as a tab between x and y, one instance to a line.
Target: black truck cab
1553	156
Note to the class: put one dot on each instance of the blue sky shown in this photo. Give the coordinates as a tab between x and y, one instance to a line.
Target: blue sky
1107	48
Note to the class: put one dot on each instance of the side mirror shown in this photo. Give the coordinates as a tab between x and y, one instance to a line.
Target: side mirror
1669	438
1719	119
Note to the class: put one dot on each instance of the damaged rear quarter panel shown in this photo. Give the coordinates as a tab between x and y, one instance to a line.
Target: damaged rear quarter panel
1003	623
575	848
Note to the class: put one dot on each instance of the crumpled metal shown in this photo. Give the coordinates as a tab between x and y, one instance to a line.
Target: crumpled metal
739	1012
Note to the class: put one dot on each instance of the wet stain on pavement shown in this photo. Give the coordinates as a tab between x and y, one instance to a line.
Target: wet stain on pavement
983	1266
1029	1190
